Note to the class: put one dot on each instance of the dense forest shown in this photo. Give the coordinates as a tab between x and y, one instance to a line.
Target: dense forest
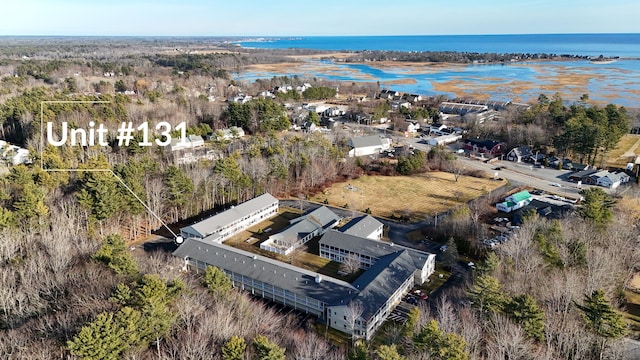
73	288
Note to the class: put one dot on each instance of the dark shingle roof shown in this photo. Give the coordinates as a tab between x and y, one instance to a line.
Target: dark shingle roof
297	280
382	279
321	217
372	248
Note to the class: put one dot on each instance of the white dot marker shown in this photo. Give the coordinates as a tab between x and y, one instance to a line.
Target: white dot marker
179	240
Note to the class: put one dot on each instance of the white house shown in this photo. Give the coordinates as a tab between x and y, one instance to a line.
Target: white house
612	180
515	202
368	145
520	154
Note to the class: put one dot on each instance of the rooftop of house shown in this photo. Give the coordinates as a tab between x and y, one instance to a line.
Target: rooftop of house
321	217
520	196
361	226
207	226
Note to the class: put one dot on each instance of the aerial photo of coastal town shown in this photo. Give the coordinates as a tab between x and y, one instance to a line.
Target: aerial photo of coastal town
337	181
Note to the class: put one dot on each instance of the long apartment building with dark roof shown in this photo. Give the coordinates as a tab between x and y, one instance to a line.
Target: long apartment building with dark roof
391	271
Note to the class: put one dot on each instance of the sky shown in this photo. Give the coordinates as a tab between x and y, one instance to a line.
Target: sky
328	17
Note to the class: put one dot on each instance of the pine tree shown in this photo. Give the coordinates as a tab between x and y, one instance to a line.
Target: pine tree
487	294
233	349
216	280
114	254
601	317
524	310
102	339
266	350
388	352
410	324
597	206
440	345
359	352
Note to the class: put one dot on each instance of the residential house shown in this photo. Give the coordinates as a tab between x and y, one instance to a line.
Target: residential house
611	180
515	202
486	147
301	230
230	222
368	145
388	94
520	154
408	126
437	128
398	104
364	226
412	98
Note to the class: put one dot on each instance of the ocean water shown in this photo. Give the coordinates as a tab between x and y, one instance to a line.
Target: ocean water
622	45
617	82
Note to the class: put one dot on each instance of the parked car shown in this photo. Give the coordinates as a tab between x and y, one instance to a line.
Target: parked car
555	184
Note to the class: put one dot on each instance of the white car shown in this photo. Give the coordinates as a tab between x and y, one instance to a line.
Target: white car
556	185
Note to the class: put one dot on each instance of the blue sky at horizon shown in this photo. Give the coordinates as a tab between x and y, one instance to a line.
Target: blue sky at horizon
330	17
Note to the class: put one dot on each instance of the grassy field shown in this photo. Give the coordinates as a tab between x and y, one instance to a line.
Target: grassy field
413	196
628	147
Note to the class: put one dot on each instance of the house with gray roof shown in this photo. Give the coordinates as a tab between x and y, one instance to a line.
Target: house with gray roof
301	230
364	226
238	218
368	145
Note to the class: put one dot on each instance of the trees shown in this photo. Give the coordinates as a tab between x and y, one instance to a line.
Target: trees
439	344
216	280
450	255
233	349
101	339
524	310
487	294
388	352
412	321
597	206
351	264
114	254
352	313
266	350
603	320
